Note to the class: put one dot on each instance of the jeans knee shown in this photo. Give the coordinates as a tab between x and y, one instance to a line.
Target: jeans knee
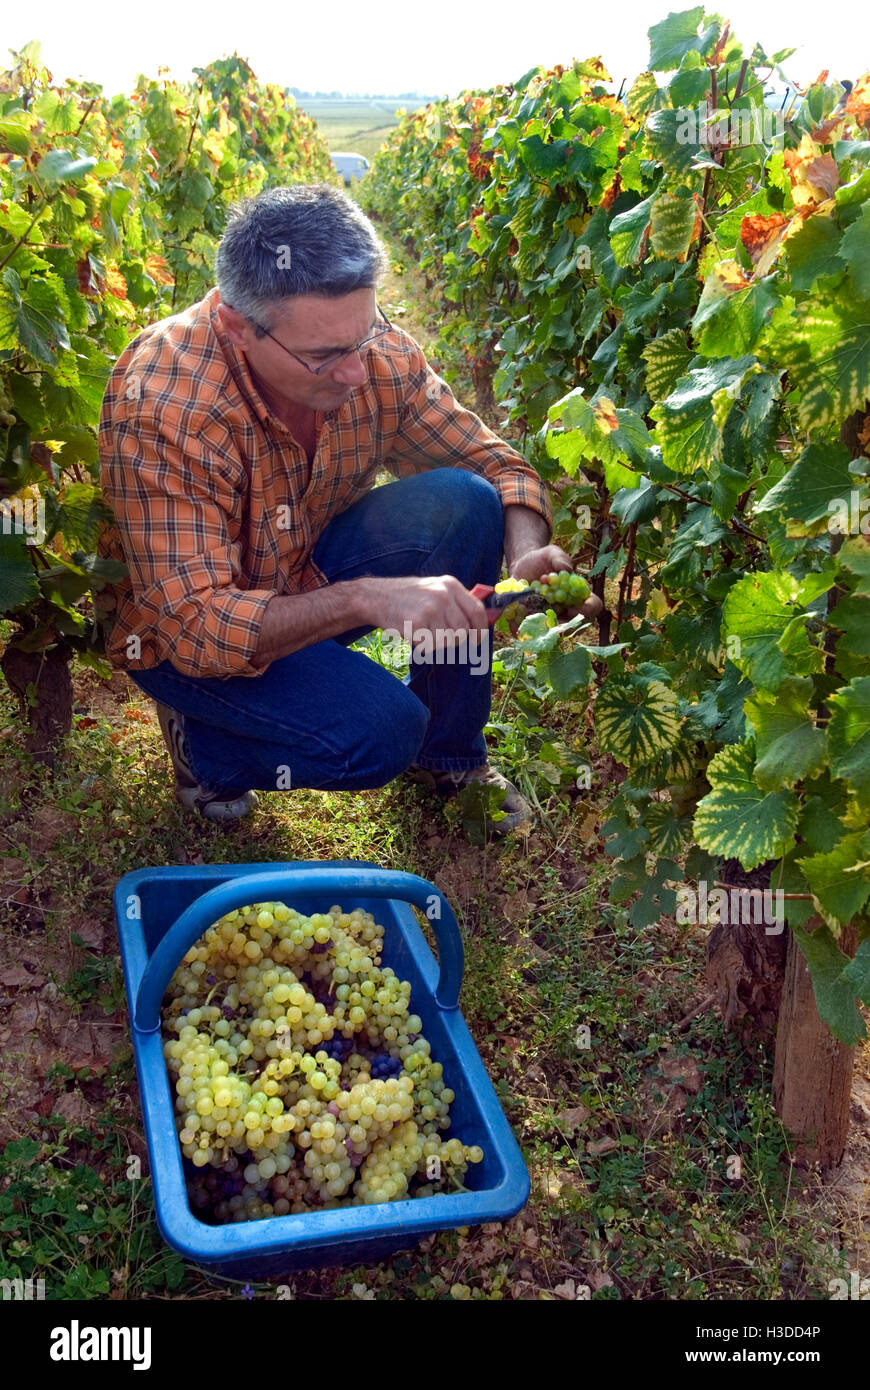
465	513
389	745
405	733
478	496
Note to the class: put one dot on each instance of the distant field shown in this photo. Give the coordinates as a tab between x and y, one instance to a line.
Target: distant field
358	126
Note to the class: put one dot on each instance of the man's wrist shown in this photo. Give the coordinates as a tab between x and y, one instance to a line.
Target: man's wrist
293	621
361	602
524	530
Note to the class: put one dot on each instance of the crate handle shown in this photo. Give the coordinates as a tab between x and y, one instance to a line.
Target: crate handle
265	887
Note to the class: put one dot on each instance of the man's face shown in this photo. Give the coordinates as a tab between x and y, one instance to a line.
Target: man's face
315	329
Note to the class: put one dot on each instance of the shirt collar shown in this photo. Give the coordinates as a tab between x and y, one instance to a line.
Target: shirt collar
236	361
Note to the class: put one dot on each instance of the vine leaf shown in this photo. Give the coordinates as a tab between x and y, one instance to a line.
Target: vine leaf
790	747
762	237
668	830
732	311
628	233
677	35
672	138
813	490
643	304
855	251
18	583
667	359
852	617
78	515
62	166
689	426
765	634
849	733
637	718
821	824
14	136
653	897
644	95
854	556
569	672
857	972
749	440
840	878
595	431
31	317
673	221
737	818
813	249
835	998
676	765
825	347
622	839
636	504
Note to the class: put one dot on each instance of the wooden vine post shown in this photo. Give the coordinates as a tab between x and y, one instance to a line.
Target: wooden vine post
762	985
812	1078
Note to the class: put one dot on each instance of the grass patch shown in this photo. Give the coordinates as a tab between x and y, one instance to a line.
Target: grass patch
623	1203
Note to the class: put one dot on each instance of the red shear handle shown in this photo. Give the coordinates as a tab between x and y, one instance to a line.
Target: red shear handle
483	592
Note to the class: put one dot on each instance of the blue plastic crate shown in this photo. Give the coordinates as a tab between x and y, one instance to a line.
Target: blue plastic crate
161	912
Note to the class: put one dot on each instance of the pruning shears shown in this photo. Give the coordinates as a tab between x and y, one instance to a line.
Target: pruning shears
495	604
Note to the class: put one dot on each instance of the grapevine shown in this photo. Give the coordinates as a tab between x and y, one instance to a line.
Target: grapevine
110	214
677	318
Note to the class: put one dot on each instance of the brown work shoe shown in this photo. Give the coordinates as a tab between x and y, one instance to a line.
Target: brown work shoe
517	810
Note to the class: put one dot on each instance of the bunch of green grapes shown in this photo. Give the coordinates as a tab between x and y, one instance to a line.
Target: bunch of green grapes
7	419
514	612
444	1160
562	588
302	1079
391	1163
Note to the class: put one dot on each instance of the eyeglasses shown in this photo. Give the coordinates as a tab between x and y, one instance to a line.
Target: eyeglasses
383	327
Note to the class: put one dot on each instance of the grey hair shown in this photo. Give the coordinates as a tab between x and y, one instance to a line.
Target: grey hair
301	239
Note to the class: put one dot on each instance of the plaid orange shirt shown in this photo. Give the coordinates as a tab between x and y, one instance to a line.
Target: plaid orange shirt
217	508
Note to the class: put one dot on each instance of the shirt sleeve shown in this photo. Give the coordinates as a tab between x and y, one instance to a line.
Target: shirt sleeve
436	431
177	510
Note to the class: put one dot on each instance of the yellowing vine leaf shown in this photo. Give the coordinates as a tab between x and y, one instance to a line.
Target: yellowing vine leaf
762	237
814	175
858	104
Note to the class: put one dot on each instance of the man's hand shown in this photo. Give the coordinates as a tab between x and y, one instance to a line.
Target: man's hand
537	560
545	559
440	603
532	566
590	608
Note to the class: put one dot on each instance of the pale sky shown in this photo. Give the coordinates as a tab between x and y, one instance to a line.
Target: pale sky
403	45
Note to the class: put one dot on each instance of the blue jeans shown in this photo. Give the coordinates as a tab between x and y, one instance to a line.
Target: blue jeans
334	717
